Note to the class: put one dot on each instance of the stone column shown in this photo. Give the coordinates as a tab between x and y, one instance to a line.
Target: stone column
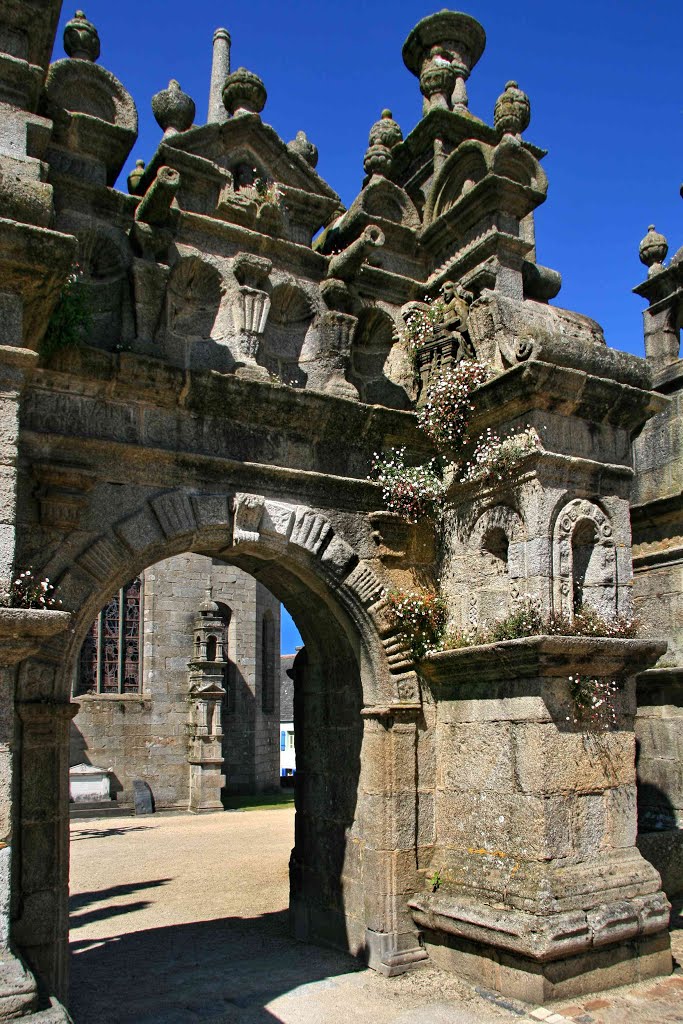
21	632
398	817
220	69
16	365
41	927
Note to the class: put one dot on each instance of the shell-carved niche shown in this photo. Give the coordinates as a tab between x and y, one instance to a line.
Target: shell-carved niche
378	366
495	565
193	298
585	562
386	201
459	174
104	268
291	312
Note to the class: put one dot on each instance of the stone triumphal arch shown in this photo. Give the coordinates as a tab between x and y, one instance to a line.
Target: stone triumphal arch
184	370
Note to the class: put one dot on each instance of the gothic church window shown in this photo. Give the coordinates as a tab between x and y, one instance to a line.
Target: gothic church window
111	652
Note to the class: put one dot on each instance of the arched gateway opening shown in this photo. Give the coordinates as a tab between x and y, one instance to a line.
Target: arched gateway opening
353	684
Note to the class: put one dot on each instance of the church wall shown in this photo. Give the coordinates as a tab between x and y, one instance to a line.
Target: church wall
144	736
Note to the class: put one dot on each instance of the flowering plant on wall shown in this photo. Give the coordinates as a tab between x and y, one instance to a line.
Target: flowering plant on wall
27	592
596	701
420	616
263	192
527	619
420	322
495	458
411	491
446	413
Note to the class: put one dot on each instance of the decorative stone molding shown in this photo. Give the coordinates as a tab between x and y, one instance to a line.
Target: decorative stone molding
248	512
63	494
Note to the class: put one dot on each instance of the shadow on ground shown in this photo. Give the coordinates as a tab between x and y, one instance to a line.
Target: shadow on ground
209	972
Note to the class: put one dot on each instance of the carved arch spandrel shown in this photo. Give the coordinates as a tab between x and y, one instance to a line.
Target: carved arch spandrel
583	519
251	530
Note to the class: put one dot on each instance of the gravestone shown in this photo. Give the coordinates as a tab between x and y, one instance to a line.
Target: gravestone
142	795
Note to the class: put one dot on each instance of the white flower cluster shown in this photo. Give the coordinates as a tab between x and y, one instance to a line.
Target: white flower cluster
263	192
448	407
411	491
495	458
596	701
27	592
420	324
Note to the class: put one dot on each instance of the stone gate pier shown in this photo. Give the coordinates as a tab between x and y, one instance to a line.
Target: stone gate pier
182	369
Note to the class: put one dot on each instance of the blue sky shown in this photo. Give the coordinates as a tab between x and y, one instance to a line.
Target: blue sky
605	79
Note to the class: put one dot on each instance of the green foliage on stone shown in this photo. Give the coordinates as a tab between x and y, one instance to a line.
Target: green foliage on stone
526	619
70	321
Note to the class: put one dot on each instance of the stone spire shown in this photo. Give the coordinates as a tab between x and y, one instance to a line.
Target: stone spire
220	69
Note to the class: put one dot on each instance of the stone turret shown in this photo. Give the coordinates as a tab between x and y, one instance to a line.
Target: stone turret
206	692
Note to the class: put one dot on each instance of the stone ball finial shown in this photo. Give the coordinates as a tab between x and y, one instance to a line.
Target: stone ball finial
173	109
384	135
512	112
244	93
135	177
304	148
385	132
652	250
81	40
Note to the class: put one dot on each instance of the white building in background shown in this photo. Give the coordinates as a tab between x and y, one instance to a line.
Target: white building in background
287	751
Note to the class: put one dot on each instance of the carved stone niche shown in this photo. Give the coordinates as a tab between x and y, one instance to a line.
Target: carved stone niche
63	494
585	563
291	312
252	304
104	262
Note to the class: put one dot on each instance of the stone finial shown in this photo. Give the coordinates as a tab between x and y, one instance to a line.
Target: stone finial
385	132
652	250
135	177
512	112
461	40
303	148
384	135
244	93
437	78
220	69
81	40
208	605
173	109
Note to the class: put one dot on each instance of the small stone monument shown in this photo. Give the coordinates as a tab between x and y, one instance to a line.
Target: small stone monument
89	784
142	797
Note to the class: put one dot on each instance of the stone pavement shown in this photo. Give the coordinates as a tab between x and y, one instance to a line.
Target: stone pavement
181	919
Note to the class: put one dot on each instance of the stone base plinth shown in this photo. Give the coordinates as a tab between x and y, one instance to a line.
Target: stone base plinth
539	957
519	977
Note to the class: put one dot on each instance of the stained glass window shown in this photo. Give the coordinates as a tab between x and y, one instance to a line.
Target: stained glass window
111	652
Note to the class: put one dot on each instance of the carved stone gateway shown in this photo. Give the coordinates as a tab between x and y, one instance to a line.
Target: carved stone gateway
226	397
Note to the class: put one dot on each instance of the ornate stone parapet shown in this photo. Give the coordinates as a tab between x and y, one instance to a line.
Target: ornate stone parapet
542	891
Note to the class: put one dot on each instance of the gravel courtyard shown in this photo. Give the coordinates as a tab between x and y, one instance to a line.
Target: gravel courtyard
181	919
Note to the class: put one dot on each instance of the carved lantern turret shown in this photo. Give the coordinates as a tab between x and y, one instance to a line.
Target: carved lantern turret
206	693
